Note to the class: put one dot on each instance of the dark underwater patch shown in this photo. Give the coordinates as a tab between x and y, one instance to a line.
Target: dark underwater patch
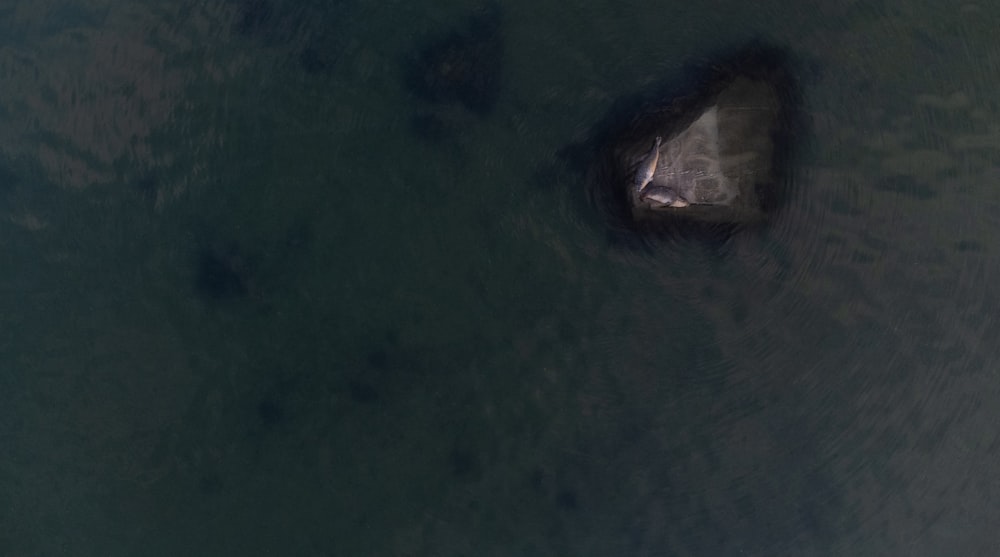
307	35
378	358
8	178
210	483
431	127
225	271
299	237
362	392
567	500
463	67
965	246
465	464
222	274
270	412
906	185
253	16
313	60
147	185
383	361
146	188
321	53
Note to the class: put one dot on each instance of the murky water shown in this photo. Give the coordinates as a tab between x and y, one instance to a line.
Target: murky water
265	290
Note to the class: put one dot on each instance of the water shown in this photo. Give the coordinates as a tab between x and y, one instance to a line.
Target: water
259	297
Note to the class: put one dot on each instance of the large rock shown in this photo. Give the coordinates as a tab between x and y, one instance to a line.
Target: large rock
724	152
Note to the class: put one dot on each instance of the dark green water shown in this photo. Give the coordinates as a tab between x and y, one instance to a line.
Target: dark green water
258	297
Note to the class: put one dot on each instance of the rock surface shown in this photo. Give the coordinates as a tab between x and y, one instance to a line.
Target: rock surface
725	150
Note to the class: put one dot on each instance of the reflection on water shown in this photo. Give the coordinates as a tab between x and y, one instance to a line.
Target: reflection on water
264	296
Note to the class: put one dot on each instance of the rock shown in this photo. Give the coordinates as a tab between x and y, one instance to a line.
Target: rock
724	156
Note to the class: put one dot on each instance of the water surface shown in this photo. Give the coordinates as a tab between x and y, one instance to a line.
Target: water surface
261	295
